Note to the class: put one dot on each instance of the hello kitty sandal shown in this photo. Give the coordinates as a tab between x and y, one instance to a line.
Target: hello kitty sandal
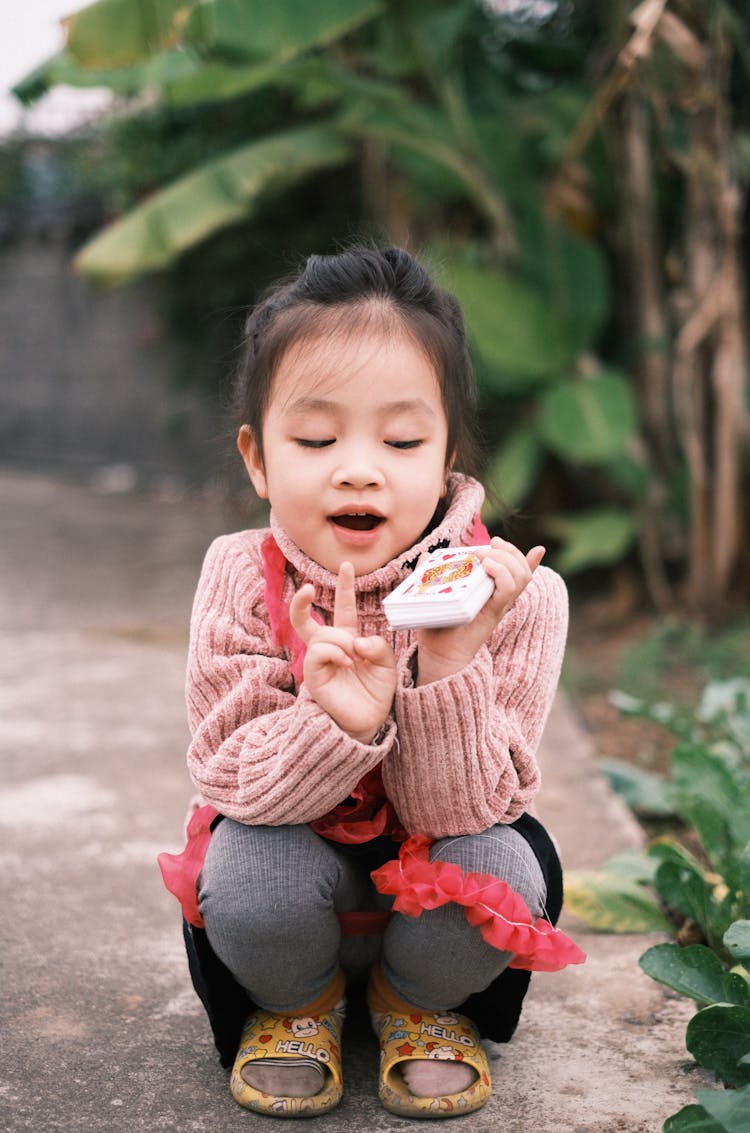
421	1035
277	1039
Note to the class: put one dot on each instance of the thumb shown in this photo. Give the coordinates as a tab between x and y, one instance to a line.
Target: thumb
535	556
300	611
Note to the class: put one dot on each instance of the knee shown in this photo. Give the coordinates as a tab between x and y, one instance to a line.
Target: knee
500	852
256	878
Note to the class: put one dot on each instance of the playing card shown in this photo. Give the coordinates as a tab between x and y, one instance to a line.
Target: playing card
447	589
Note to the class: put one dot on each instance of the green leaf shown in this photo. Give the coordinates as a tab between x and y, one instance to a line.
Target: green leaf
513	470
588	420
643	791
633	865
511	326
714	797
729	1107
219	82
686	890
612	903
570	271
745	877
737	940
236	30
692	1119
631	473
595	538
110	34
216	194
718	1037
63	69
696	972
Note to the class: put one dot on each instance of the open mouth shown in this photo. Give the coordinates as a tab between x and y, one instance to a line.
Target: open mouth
357	521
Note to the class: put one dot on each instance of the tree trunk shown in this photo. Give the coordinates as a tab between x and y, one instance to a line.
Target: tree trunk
642	255
711	347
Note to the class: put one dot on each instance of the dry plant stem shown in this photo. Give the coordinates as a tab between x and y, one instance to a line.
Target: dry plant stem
642	254
711	345
645	19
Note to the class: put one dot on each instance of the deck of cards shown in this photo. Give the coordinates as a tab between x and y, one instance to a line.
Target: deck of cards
448	588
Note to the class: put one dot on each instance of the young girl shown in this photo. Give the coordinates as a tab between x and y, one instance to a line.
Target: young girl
342	764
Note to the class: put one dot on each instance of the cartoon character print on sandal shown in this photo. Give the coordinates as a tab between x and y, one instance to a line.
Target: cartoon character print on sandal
426	1035
275	1039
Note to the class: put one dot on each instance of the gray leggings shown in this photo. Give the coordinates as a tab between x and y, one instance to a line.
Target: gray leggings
270	895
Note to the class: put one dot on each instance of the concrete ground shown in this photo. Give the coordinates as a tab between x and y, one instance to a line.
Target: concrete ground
101	1031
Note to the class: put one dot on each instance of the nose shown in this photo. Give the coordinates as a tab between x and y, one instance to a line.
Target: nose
357	468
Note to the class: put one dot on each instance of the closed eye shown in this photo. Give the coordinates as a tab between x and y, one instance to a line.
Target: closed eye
404	444
304	442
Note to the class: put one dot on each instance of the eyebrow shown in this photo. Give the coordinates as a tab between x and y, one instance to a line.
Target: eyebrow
321	405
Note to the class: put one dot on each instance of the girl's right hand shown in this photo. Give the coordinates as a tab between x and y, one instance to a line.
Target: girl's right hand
352	678
442	652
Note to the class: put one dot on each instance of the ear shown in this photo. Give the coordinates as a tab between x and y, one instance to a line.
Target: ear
448	469
250	454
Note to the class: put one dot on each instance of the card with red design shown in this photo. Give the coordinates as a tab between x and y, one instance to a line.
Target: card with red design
448	588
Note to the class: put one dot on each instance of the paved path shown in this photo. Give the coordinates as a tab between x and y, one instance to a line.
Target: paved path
101	1032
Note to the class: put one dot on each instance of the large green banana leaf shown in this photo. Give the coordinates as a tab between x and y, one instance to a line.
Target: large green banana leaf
110	34
118	33
221	192
239	30
168	69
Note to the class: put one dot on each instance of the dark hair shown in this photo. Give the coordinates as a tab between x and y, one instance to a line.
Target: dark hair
348	292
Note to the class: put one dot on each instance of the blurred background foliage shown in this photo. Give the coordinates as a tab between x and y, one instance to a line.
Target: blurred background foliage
576	172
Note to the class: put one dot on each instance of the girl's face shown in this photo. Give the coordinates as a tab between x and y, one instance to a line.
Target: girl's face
354	447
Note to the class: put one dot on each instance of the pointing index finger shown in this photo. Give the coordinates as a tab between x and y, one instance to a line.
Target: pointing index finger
345	604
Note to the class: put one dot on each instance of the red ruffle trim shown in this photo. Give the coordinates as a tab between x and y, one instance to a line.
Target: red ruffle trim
365	815
180	872
501	914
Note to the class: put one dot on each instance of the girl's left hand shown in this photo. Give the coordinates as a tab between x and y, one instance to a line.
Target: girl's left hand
352	678
442	652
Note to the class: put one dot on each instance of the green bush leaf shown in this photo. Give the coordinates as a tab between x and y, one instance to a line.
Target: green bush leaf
692	1119
729	1107
513	469
685	889
737	940
511	325
696	972
571	272
612	903
595	538
588	420
633	865
718	1037
713	796
643	791
216	194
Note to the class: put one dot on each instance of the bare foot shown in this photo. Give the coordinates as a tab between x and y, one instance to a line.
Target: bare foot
297	1079
433	1077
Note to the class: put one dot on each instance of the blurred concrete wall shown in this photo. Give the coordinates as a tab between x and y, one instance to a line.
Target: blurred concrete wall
88	380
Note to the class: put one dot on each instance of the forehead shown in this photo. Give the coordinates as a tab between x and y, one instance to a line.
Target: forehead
348	363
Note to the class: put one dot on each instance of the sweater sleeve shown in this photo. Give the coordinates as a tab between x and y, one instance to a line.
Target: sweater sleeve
466	753
260	753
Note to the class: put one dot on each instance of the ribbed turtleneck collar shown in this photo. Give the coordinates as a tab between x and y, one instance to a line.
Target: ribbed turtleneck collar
464	497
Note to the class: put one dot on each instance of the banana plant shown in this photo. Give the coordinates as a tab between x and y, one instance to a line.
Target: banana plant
416	79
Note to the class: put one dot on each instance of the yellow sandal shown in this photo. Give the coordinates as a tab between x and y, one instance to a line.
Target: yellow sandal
420	1035
277	1038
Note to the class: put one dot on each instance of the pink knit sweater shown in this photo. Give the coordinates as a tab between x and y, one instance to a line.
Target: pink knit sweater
458	755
